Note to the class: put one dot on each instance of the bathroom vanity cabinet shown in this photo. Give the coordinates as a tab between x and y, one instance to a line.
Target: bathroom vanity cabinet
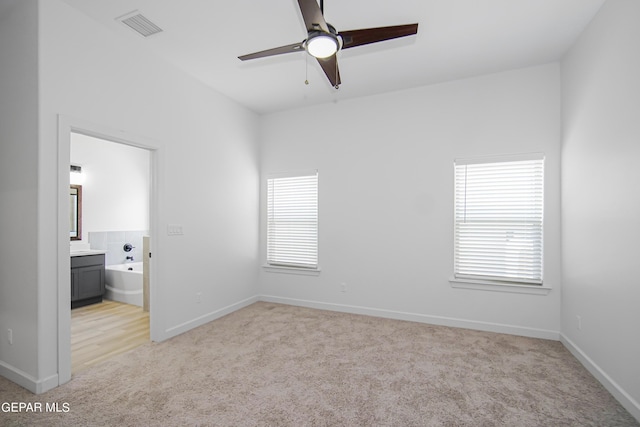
87	279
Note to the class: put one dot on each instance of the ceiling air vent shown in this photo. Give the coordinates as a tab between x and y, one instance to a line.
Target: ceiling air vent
139	23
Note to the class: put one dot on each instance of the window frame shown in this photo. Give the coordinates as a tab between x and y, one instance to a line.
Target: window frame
504	284
290	267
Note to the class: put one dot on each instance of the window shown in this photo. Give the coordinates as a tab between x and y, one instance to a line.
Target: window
498	219
292	221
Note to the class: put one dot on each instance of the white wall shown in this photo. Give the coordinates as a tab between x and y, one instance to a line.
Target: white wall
18	188
386	196
116	185
600	201
207	168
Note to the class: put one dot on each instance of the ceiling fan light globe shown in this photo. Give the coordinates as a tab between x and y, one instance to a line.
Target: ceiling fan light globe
322	45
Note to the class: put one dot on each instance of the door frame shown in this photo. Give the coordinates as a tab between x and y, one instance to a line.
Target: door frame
66	126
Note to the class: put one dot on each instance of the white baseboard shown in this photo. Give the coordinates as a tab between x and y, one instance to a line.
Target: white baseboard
421	318
27	381
206	318
628	402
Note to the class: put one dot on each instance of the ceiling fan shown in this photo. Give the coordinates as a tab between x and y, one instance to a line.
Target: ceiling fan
323	41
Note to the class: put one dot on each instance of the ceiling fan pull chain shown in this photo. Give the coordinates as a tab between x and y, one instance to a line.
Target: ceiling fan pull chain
306	70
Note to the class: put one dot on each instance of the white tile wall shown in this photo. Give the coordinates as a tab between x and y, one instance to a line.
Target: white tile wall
113	242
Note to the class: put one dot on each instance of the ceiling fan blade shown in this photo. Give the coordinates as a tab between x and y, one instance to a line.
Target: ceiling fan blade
312	15
355	38
295	47
330	67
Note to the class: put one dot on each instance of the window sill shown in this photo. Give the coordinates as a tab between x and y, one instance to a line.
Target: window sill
291	270
482	285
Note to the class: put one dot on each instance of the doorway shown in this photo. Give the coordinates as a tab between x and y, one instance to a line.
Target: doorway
113	226
99	196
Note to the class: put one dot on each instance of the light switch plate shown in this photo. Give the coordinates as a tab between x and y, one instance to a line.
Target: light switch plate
174	230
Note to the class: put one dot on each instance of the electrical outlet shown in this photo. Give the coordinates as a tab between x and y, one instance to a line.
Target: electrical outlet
199	297
343	287
579	323
10	336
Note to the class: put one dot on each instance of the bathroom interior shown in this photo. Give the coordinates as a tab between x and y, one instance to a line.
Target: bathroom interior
109	248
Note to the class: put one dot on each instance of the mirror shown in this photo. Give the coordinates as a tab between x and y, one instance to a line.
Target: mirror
75	211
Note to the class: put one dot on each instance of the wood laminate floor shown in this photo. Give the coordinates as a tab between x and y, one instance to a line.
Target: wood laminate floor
100	331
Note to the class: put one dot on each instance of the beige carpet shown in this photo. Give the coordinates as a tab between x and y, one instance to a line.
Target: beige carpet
277	365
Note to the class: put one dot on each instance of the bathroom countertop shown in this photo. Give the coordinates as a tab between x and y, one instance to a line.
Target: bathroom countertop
85	252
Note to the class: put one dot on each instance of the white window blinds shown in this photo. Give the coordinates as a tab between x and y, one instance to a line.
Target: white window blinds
292	221
498	219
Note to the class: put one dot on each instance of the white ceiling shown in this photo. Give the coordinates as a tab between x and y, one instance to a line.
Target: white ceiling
456	39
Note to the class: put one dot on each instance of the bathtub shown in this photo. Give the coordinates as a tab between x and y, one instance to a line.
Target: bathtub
124	283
